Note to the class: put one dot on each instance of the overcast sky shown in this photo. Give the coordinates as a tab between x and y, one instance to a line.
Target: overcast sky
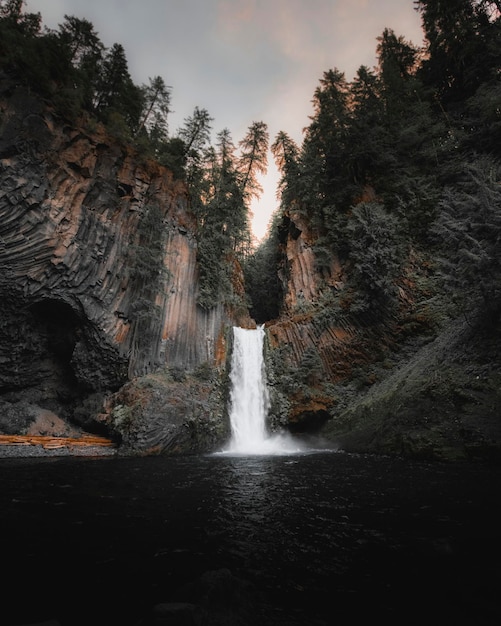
242	60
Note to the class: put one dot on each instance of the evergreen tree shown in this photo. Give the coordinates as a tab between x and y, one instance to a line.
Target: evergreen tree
253	159
80	54
286	155
397	60
460	52
325	143
262	282
156	107
468	230
13	17
374	256
80	39
413	136
369	156
223	224
117	97
195	135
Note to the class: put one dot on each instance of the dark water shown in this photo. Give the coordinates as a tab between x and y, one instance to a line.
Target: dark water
324	538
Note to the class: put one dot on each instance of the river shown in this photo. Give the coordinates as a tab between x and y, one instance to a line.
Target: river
312	538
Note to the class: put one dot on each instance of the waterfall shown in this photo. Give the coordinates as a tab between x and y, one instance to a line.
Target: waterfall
249	399
249	402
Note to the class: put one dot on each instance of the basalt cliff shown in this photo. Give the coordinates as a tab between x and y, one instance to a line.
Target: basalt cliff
90	343
78	323
416	381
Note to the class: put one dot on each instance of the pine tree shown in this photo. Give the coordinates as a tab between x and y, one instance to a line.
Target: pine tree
323	182
195	135
460	52
468	230
253	159
223	229
156	107
286	155
80	39
117	97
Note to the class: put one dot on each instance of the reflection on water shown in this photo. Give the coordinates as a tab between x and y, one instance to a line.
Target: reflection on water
319	536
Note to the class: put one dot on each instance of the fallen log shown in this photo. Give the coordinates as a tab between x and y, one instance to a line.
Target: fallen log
55	442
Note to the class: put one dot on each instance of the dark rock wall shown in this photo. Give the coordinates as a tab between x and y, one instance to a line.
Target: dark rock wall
71	201
420	380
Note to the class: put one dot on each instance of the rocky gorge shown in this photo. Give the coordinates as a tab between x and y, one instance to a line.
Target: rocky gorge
100	343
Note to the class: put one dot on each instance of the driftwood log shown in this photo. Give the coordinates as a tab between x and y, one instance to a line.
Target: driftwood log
55	442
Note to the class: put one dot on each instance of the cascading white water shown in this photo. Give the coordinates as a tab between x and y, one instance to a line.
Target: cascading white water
249	399
249	394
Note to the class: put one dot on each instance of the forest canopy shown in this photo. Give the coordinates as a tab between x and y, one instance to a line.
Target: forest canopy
404	157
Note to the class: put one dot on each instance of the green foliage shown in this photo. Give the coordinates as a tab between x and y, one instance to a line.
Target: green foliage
394	158
463	46
262	282
253	159
71	67
286	155
374	254
468	229
147	254
224	184
172	154
156	98
386	160
147	273
311	369
116	93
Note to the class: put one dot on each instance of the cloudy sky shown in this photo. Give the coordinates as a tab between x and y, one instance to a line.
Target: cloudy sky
242	60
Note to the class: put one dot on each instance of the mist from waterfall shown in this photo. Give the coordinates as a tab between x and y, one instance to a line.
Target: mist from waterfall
249	399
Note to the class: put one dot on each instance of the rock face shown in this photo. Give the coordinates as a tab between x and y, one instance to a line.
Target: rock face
303	282
77	320
440	404
402	383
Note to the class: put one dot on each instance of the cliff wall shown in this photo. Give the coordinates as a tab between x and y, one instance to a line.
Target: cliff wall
76	318
411	381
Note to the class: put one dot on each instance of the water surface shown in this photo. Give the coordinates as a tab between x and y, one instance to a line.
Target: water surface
321	538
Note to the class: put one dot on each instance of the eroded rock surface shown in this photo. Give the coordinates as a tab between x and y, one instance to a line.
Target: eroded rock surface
76	320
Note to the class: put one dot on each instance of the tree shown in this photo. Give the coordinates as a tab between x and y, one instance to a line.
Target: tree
156	108
468	230
35	59
80	54
253	158
223	229
397	61
228	202
460	52
116	92
370	155
195	135
196	132
262	283
324	148
80	39
374	254
11	13
286	155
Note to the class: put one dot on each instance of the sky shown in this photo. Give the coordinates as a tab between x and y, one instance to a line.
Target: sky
243	60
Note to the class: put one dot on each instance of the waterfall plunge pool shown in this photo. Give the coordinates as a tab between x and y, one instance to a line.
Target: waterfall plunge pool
263	534
300	540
